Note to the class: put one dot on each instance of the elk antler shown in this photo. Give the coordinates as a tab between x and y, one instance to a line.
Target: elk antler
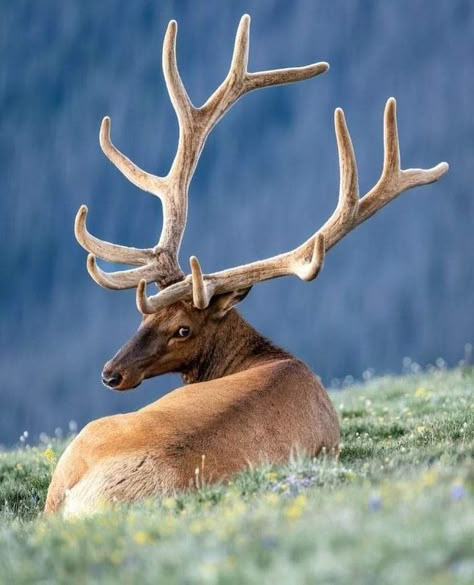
161	264
306	260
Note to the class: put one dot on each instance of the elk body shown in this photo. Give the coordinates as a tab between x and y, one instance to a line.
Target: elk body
245	400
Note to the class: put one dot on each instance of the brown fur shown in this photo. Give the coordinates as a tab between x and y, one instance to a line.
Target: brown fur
248	402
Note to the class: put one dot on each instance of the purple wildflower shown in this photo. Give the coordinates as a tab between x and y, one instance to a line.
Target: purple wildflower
375	503
457	492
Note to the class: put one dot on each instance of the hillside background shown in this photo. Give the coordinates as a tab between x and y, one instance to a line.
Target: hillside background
401	285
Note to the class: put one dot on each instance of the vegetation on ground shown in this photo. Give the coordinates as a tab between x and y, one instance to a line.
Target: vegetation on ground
398	507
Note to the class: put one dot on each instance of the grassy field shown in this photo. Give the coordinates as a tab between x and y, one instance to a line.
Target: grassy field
397	508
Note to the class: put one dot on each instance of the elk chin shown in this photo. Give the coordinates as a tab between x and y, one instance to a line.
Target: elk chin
129	383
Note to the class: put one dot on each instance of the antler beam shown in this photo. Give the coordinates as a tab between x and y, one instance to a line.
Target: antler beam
306	260
161	264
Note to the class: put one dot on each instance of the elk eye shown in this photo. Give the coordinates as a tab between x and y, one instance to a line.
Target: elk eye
183	332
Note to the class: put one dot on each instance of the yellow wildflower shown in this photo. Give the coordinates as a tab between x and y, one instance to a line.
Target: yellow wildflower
296	508
196	527
271	499
422	392
49	454
168	503
141	537
271	475
429	478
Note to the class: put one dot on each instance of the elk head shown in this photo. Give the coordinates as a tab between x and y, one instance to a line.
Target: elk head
181	319
175	338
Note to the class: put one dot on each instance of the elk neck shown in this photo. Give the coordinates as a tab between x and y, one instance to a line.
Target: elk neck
235	346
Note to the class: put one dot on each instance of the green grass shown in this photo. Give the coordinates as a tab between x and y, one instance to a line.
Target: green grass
397	508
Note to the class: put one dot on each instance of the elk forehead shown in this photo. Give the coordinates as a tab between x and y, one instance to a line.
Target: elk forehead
171	317
168	320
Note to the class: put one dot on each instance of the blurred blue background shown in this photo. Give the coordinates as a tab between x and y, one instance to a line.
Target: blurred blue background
400	285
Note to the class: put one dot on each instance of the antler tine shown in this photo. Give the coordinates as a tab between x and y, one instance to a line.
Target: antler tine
124	278
106	250
282	76
180	291
315	250
348	203
391	145
202	291
177	92
240	56
140	178
142	299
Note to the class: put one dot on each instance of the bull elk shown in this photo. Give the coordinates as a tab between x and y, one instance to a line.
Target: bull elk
244	399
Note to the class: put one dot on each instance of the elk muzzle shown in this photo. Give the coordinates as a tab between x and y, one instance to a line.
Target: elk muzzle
126	370
140	358
120	378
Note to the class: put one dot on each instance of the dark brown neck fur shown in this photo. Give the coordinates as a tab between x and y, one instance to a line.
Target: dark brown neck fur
235	347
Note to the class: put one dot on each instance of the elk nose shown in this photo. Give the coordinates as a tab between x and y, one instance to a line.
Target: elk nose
112	380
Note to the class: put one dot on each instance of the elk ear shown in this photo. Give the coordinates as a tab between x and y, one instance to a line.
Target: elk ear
223	303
